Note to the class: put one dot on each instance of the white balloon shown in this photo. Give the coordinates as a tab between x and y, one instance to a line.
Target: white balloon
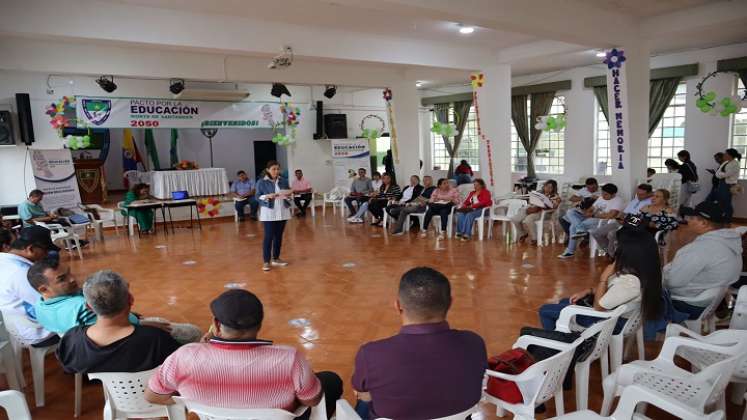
539	126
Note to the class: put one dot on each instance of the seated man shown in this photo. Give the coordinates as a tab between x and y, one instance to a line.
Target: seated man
426	371
235	369
589	190
301	193
605	234
712	261
17	297
113	343
31	210
414	200
606	207
63	305
360	190
244	190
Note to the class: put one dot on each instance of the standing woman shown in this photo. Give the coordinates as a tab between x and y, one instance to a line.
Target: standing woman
471	209
274	211
144	217
689	178
728	175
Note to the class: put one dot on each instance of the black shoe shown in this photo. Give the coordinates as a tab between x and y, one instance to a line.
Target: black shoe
83	243
253	217
241	219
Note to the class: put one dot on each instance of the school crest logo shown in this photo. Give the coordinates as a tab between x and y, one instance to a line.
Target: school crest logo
97	111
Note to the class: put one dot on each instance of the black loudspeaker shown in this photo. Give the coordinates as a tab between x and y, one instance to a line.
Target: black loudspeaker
319	134
6	129
25	123
336	126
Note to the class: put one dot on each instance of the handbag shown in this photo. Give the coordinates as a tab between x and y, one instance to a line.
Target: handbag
511	362
583	351
692	187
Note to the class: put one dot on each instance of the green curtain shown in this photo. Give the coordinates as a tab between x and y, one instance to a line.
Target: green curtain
173	152
441	111
461	113
150	148
601	94
660	94
540	105
519	117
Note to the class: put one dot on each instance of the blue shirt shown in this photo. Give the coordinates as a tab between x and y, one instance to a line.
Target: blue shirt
62	313
242	187
28	210
635	205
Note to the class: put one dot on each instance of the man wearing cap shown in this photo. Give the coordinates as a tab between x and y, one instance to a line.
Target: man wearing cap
17	297
235	369
707	264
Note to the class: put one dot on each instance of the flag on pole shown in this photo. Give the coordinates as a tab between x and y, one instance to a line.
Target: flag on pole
130	155
174	154
150	149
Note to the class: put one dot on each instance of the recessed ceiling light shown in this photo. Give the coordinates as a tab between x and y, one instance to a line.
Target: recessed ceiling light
601	53
418	83
466	30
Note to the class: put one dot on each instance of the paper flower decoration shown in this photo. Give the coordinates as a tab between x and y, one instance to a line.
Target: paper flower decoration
477	80
614	58
550	123
209	206
387	94
446	130
283	140
56	112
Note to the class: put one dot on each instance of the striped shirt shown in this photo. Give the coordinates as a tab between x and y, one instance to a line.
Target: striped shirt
393	192
238	374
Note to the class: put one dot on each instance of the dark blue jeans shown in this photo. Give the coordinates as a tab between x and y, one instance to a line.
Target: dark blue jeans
251	202
550	312
692	311
273	239
723	196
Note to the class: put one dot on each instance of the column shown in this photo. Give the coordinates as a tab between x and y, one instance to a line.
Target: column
406	102
494	99
637	54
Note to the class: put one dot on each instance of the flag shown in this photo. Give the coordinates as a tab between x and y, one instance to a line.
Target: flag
174	154
150	148
130	156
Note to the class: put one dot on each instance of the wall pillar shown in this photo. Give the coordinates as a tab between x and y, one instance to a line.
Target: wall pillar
638	70
494	99
406	103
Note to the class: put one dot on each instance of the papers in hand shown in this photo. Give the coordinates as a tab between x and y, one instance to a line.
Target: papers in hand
540	200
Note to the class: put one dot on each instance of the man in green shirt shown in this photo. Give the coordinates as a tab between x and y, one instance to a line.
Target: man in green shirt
31	210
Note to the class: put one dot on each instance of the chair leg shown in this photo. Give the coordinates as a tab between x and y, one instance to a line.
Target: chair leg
77	247
608	385
18	362
9	365
559	403
737	393
78	393
490	229
481	228
582	385
639	342
616	351
37	372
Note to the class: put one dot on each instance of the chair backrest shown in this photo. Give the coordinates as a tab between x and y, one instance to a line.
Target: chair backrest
739	316
206	412
704	357
125	391
711	308
464	191
719	374
550	373
670	182
14	403
633	322
512	205
603	330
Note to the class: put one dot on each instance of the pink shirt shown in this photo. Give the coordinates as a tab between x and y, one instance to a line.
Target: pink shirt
451	195
238	375
300	185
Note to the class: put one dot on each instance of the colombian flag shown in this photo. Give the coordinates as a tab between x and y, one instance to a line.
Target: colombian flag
130	156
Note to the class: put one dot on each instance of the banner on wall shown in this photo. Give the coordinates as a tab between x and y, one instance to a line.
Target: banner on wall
107	112
617	100
347	157
54	174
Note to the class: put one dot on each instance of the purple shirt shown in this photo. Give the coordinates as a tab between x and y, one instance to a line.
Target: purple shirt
424	372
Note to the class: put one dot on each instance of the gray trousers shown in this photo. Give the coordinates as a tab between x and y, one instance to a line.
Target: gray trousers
399	213
606	236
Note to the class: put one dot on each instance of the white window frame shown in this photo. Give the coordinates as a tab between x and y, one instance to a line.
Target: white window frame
735	126
660	146
554	138
469	147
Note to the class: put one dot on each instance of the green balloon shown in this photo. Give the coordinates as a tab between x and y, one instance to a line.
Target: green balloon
710	96
725	113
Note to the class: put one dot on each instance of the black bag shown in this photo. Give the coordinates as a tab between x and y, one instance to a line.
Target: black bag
583	351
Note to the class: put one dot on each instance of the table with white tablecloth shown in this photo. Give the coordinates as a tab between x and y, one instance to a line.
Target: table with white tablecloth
197	182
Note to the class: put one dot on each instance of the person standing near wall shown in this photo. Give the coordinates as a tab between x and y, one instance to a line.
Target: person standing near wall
689	173
274	199
728	175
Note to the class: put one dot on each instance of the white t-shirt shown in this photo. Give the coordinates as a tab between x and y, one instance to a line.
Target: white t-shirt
585	193
622	289
407	194
17	297
603	206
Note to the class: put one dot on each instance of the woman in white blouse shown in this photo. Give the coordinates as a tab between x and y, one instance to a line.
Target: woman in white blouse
274	211
728	180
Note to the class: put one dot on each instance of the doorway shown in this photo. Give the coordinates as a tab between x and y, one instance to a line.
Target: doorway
264	151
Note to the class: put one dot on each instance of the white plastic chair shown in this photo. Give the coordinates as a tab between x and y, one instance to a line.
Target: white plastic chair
635	395
541	226
344	411
327	198
633	327
124	394
105	215
421	219
603	331
708	316
504	212
205	412
480	221
64	234
129	221
436	221
696	391
739	316
312	204
14	403
8	367
539	382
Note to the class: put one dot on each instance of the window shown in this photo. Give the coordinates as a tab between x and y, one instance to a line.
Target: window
669	136
602	158
739	131
469	147
549	154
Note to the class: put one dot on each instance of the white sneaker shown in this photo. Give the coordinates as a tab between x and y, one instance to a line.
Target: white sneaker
424	234
357	220
400	233
440	235
278	263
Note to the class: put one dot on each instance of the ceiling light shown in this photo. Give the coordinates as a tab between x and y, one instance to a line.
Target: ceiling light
466	30
177	86
601	53
418	84
279	89
107	83
330	91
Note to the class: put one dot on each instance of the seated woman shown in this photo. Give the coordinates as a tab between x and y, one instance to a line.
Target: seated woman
463	173
471	209
144	217
409	195
633	279
526	219
388	191
658	215
443	199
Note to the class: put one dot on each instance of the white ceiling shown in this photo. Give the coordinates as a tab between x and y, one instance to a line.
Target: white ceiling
646	8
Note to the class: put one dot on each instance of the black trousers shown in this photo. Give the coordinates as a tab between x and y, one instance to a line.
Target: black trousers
442	210
273	239
302	202
376	207
332	388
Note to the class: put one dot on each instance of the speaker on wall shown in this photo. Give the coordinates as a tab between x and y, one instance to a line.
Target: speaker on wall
6	129
336	126
319	134
25	123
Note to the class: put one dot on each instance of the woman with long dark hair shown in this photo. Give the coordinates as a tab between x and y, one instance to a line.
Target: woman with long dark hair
689	173
728	184
274	196
633	279
388	191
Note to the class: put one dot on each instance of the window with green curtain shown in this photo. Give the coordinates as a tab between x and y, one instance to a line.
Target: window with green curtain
668	137
739	131
469	148
549	155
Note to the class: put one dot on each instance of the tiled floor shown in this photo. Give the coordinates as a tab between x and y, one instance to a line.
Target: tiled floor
336	294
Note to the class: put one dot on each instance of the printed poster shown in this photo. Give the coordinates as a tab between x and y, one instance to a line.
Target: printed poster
54	174
347	157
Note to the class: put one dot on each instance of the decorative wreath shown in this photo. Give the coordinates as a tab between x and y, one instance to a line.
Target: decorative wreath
552	123
291	119
710	103
445	130
57	111
209	206
373	133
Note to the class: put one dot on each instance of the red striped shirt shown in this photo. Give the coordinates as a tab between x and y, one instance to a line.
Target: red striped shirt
238	375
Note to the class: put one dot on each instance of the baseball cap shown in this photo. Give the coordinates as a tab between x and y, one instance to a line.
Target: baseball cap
709	210
38	236
238	308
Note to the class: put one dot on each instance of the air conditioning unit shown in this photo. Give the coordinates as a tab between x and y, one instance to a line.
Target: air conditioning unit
228	92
